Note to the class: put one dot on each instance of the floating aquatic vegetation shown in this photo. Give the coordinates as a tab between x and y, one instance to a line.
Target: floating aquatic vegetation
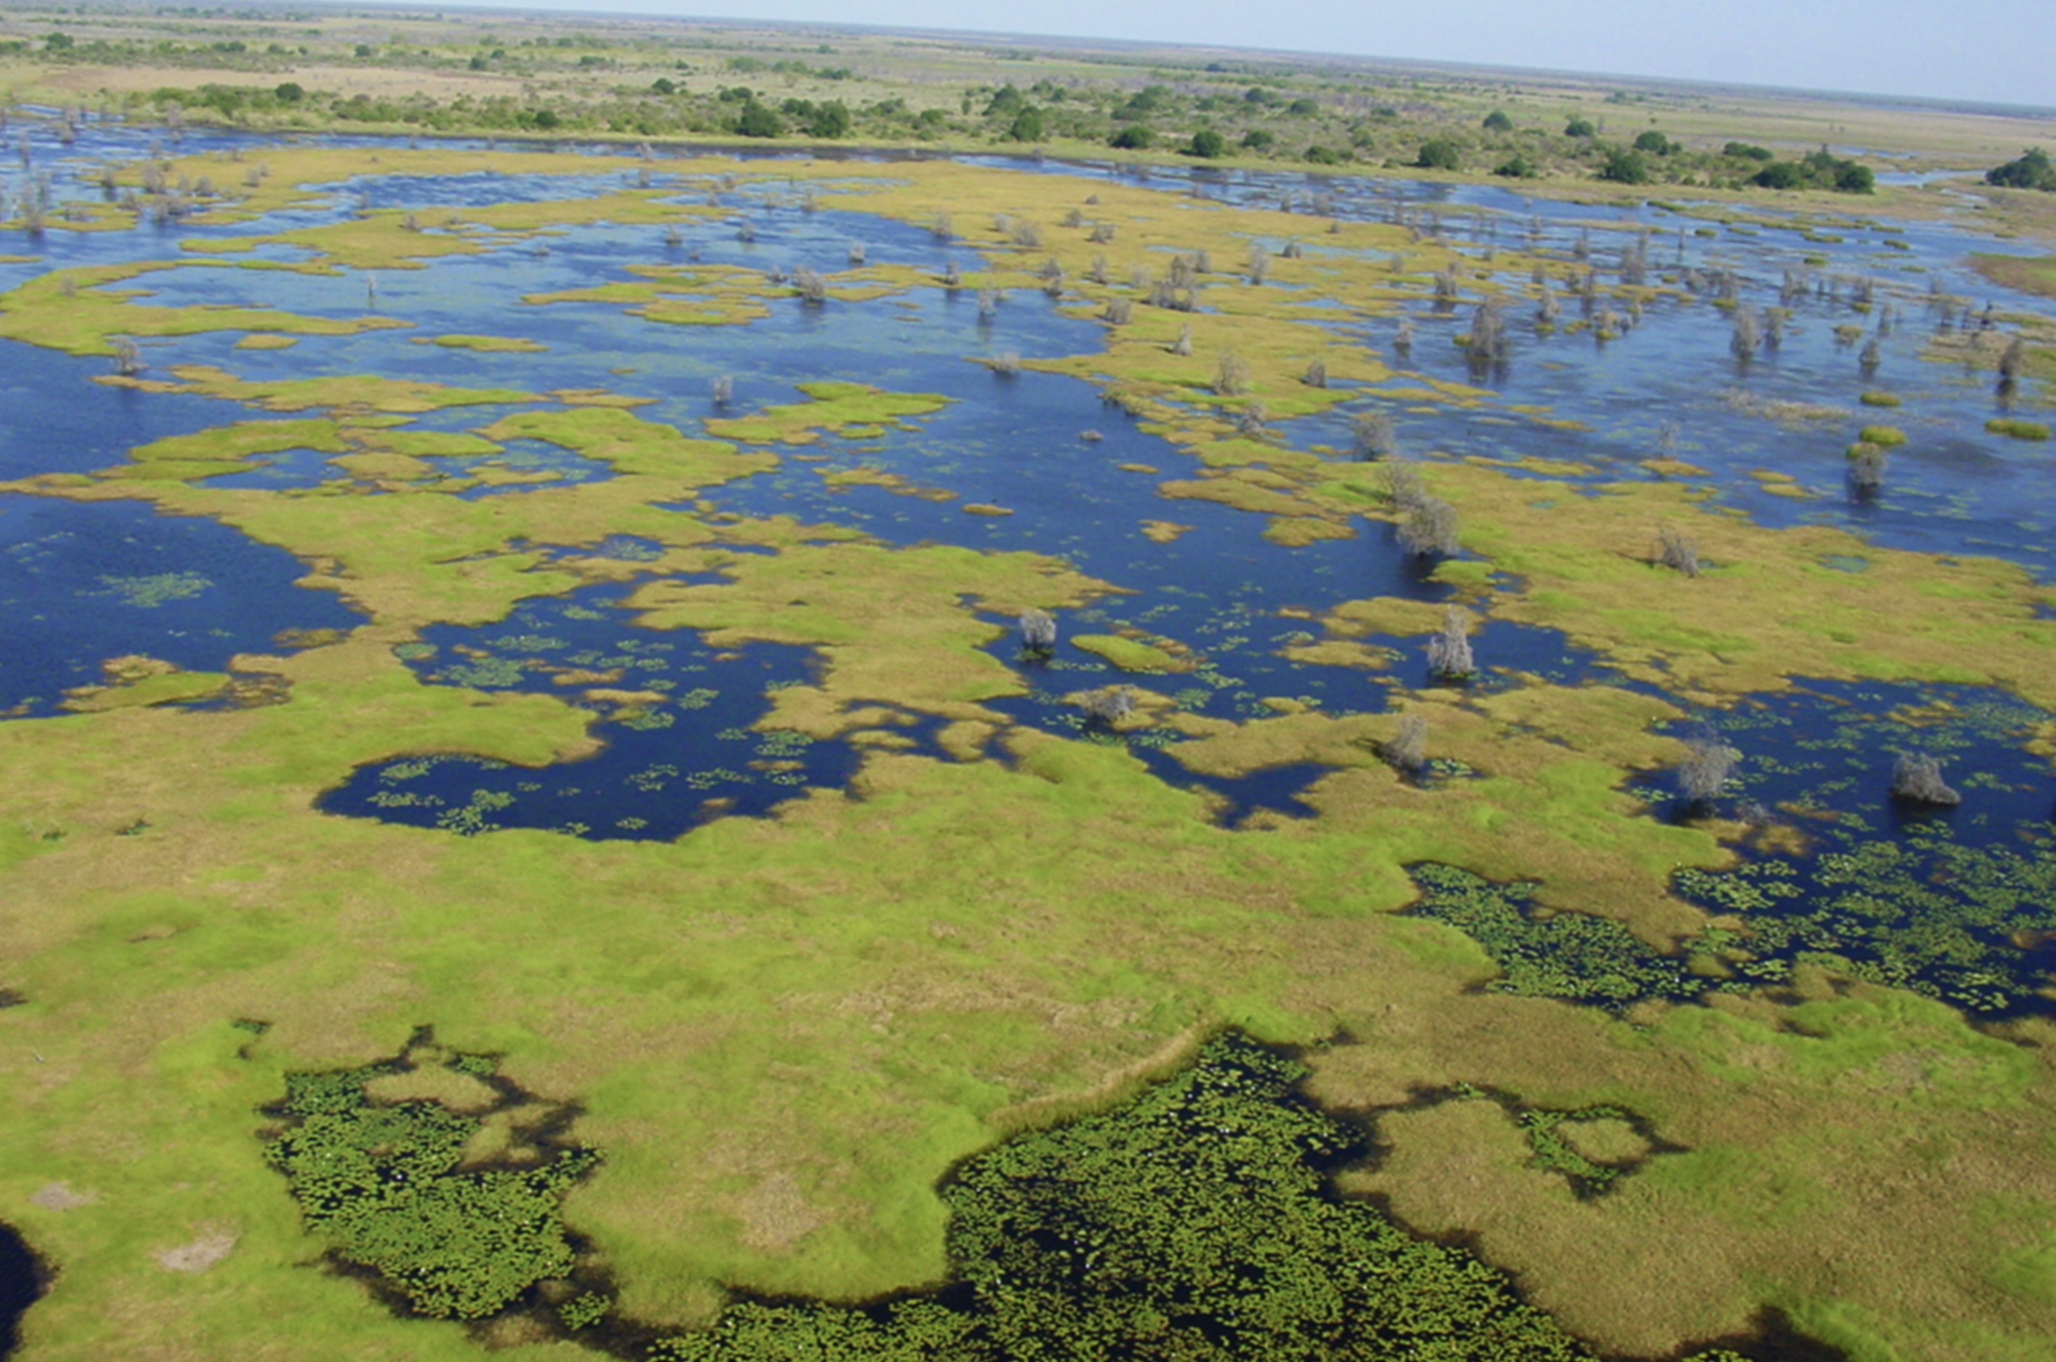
388	1185
1569	955
148	592
1193	1222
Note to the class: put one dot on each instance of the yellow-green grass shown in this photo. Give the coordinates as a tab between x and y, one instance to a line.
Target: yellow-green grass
1131	654
832	405
491	345
2018	428
2029	274
72	310
783	1030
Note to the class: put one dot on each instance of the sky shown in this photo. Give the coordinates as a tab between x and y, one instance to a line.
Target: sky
1990	51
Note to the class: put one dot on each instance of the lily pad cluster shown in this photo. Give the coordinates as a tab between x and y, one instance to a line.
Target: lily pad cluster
386	1185
1194	1222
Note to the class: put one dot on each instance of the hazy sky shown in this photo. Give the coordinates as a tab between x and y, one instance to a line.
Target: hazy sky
1999	51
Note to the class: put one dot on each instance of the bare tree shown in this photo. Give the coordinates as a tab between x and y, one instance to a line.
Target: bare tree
1866	468
988	304
2011	361
1107	706
1231	375
723	388
1449	651
1005	364
128	356
1316	374
809	286
1373	435
1119	311
1487	341
1403	338
1677	550
941	228
1705	770
1917	779
1407	749
1038	630
1429	529
1259	263
1746	333
1446	286
857	253
1183	345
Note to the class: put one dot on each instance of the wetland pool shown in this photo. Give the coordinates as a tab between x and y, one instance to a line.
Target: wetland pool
1035	462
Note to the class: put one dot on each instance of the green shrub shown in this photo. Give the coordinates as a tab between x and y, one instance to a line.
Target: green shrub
2030	171
1440	154
1497	121
1624	166
758	120
1874	398
1134	137
1580	127
1207	145
2018	429
1884	437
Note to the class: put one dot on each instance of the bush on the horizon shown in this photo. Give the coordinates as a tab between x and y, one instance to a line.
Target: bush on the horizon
2030	170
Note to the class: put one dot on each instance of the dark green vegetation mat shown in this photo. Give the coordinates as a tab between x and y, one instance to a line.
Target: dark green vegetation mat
389	1186
1193	1222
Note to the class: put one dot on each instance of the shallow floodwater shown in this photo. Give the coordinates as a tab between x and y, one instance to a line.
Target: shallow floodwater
81	583
84	583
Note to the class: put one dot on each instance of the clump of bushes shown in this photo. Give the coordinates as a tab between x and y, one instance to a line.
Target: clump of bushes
2030	170
2017	428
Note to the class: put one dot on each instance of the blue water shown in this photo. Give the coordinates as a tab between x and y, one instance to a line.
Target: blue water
20	1285
683	755
1021	443
84	582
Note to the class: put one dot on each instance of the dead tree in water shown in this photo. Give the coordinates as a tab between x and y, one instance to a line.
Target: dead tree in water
1449	652
1917	779
1429	530
1038	631
1373	435
1106	706
1705	770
